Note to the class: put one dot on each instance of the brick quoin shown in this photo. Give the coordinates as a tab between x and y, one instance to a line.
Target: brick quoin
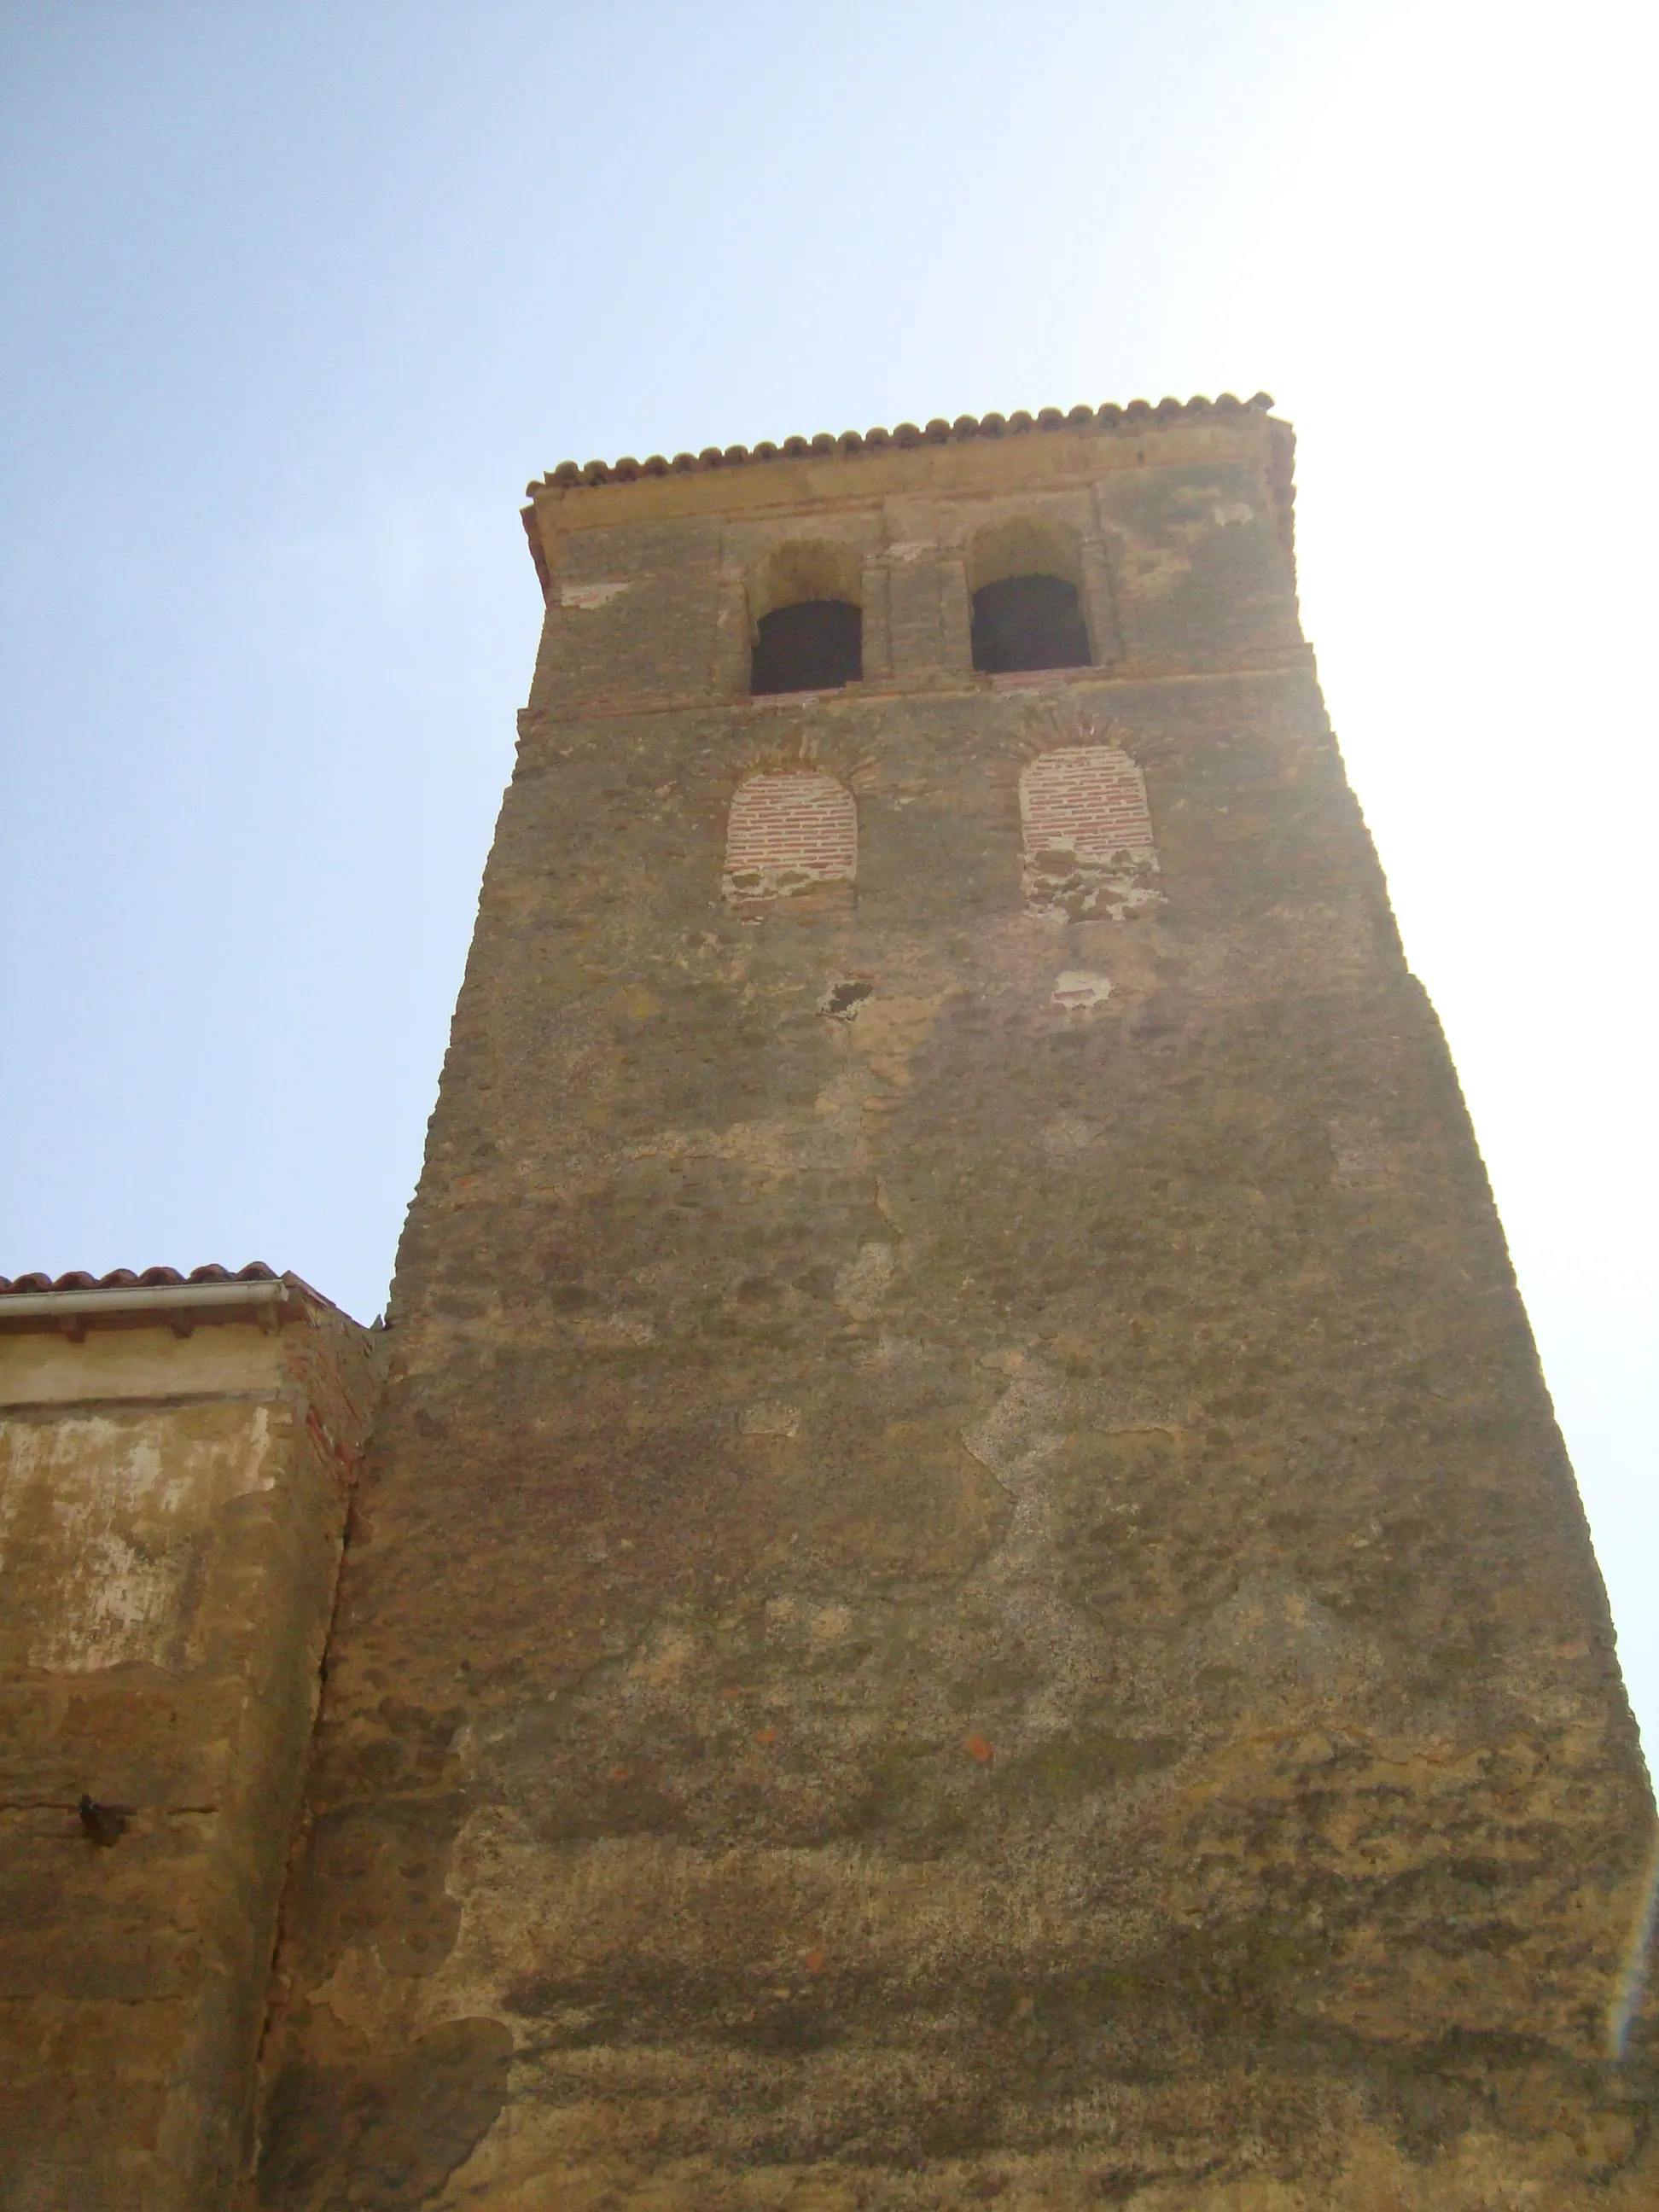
793	820
1088	800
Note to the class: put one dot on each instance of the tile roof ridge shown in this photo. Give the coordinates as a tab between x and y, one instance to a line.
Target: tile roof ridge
125	1278
1137	415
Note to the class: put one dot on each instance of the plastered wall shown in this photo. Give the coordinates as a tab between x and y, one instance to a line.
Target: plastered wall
170	1513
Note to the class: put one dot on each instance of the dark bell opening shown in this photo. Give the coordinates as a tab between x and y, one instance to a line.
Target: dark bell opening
1028	621
817	645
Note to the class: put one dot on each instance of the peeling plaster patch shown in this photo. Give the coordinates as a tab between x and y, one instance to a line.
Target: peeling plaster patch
586	597
616	1330
889	1351
636	1002
130	1524
910	549
768	1150
769	1417
361	1994
861	1284
829	1625
1236	510
841	1000
1271	1628
666	1658
128	1606
1023	1432
890	1032
1359	1159
1068	1134
1076	990
1159	570
1008	1362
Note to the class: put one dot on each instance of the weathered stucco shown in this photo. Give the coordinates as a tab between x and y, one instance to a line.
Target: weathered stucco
171	1512
966	1590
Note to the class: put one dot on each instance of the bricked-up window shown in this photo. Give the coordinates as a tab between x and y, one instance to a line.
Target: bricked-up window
789	831
1024	575
1089	847
817	645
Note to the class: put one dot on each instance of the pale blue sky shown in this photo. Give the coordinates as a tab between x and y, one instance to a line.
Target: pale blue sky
299	295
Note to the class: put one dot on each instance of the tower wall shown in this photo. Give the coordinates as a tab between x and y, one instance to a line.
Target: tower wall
966	1588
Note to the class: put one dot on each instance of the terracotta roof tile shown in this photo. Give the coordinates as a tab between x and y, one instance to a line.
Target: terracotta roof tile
123	1279
937	433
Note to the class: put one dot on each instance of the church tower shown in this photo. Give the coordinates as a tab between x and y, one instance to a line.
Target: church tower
965	1589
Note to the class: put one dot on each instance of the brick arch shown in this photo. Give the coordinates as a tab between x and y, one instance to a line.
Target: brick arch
819	746
1087	835
1023	545
798	569
1033	725
788	830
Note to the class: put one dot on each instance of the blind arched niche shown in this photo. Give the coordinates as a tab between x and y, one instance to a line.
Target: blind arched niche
1088	835
789	831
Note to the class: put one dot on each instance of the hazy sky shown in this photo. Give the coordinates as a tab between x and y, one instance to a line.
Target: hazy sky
297	296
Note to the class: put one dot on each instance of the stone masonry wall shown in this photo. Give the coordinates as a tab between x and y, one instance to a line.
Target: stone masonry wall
966	1591
171	1514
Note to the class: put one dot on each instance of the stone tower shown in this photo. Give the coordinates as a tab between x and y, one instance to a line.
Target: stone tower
965	1589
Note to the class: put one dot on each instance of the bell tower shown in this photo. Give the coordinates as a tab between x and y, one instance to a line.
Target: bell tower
965	1589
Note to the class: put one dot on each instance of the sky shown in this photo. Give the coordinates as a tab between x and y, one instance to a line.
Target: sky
299	295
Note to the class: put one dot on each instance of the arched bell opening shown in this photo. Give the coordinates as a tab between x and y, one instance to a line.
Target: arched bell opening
1025	577
808	620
